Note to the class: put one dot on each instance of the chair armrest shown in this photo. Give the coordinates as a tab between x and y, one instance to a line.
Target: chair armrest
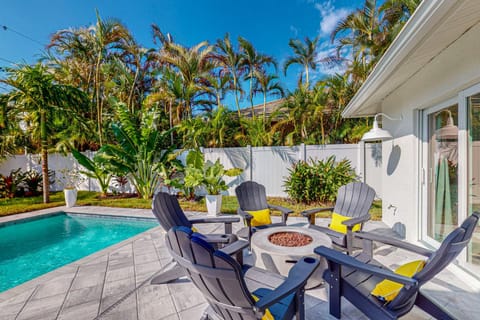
345	260
219	238
280	208
215	220
297	278
352	222
244	214
393	242
307	213
235	247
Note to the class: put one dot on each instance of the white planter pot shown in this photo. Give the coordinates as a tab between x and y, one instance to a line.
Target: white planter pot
214	204
70	197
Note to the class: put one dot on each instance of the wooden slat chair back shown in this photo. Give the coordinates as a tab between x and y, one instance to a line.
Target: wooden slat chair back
214	273
251	196
168	212
354	199
355	278
450	248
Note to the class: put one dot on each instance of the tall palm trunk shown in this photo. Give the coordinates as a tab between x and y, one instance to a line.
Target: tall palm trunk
132	91
264	106
44	146
236	95
99	100
251	92
306	75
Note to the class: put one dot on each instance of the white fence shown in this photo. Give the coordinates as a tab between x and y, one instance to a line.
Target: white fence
266	165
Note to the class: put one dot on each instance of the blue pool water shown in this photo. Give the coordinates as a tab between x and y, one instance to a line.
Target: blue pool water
32	248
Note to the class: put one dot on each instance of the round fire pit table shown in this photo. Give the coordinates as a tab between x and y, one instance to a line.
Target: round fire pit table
277	249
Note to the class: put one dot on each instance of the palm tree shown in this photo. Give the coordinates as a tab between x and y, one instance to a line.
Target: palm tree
232	62
193	65
254	62
267	84
362	31
86	52
36	93
9	128
395	14
219	84
305	55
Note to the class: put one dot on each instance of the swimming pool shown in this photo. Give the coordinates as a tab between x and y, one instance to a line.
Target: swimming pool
31	248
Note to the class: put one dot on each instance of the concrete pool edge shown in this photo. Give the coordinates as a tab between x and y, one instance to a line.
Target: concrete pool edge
68	268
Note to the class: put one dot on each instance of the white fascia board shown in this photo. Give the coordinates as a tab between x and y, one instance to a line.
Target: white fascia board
424	19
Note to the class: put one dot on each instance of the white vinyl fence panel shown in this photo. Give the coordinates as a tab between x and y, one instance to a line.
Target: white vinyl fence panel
266	165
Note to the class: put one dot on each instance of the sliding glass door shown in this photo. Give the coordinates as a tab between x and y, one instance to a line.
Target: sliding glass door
473	128
442	208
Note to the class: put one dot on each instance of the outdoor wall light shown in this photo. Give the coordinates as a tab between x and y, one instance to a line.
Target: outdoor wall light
449	131
377	133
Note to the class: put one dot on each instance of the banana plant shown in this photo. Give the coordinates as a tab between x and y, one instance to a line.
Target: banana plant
96	168
138	152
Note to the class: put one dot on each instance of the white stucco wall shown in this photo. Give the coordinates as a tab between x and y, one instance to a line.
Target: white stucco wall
455	69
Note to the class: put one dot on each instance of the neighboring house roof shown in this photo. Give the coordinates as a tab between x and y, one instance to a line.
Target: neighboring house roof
433	27
270	107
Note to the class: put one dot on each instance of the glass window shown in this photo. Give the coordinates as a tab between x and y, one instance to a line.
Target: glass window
443	164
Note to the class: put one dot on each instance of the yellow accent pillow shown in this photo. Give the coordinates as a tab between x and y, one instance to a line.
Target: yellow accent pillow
194	229
337	225
387	290
260	217
267	315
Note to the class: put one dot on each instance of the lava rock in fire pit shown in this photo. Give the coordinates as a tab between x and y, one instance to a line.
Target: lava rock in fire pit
290	239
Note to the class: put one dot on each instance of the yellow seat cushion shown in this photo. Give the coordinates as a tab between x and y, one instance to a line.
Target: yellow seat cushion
336	223
260	217
387	290
267	315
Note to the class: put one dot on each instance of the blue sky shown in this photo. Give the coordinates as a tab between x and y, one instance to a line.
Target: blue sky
268	24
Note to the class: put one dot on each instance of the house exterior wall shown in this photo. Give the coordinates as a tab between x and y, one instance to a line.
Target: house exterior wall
453	70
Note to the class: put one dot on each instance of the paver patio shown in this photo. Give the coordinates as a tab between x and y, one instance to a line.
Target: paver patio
115	283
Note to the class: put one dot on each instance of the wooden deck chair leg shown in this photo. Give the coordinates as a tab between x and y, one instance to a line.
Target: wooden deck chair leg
228	228
300	314
431	308
171	272
335	297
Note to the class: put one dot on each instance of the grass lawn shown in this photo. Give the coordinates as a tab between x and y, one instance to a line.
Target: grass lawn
86	198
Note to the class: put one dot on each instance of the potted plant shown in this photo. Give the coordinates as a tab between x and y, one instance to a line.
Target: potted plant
70	180
207	174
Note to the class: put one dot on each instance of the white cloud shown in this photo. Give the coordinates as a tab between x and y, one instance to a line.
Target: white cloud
329	16
294	30
325	50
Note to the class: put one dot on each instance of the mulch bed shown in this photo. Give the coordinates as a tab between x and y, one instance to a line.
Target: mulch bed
290	239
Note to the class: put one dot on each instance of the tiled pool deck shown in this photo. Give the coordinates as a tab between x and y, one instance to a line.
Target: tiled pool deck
115	283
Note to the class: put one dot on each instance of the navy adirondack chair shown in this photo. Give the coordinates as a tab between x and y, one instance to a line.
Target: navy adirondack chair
169	214
229	290
353	200
355	277
252	196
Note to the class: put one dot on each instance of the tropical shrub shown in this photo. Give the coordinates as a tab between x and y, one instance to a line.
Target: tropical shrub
207	174
12	185
318	181
33	183
138	153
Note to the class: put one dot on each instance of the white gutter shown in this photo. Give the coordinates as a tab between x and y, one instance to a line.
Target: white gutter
425	17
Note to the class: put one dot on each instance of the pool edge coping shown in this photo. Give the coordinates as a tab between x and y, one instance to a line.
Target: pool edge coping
33	283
